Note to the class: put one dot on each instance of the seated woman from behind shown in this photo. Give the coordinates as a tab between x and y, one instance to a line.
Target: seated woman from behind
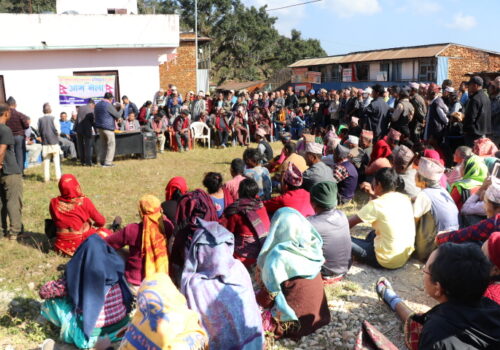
93	299
247	219
147	242
218	286
474	172
175	189
456	276
219	195
74	216
163	320
289	274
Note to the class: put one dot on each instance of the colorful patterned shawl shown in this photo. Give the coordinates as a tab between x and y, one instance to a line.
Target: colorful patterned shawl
163	320
219	287
154	242
475	172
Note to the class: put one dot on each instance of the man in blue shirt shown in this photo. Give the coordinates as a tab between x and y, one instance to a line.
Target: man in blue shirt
66	129
105	116
129	107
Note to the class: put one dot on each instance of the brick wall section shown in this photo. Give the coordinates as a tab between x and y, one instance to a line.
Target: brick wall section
469	60
182	71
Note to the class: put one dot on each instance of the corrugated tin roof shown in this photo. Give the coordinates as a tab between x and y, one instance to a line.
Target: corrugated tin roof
375	55
234	85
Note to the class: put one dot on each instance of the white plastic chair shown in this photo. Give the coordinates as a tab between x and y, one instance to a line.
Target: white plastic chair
198	132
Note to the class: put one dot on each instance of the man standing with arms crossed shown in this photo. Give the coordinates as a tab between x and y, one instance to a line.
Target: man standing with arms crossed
105	116
11	182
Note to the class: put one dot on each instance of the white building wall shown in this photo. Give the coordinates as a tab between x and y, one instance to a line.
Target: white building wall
374	70
407	70
32	77
95	7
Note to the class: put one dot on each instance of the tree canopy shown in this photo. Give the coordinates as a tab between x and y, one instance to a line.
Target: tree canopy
245	44
27	6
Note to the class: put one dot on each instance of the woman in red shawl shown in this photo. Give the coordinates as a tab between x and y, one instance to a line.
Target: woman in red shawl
74	216
247	219
175	189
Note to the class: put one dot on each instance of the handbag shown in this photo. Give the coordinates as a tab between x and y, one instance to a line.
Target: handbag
50	228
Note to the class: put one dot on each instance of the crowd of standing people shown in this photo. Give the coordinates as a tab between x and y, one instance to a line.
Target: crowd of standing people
224	266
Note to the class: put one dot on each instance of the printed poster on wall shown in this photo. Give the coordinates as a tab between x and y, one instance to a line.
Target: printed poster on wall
347	74
78	90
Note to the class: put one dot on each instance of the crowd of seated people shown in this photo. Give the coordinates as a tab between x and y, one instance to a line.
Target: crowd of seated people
250	256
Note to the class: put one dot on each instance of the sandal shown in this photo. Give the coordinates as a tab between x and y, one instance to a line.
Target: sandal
381	287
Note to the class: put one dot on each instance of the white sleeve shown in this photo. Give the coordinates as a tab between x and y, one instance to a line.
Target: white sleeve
473	206
57	126
421	205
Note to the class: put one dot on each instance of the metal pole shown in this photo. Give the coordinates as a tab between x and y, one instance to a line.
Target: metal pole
196	41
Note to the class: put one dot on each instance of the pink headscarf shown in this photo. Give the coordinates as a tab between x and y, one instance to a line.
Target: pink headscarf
433	154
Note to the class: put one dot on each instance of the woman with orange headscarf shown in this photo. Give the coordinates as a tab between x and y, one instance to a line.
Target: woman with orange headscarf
147	242
74	216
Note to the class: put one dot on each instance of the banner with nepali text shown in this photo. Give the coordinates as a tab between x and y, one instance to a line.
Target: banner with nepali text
78	90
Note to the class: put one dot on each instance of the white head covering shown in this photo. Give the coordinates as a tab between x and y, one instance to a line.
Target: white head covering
430	169
493	193
353	140
313	147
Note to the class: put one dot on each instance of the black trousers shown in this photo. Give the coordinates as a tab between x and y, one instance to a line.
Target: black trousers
85	149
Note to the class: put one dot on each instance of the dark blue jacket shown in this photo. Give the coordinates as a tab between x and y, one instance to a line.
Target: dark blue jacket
375	117
105	115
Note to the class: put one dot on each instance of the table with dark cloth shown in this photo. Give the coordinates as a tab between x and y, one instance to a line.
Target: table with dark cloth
131	142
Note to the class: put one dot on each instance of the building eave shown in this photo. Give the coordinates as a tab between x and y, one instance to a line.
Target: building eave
88	47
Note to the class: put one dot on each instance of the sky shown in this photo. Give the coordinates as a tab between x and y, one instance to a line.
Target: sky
344	26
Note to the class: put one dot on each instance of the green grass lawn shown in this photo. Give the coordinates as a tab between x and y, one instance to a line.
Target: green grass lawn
27	264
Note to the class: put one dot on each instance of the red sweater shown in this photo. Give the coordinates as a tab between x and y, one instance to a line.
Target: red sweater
299	200
245	236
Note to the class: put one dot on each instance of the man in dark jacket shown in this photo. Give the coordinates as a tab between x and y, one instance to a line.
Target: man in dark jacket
291	100
375	117
477	119
128	107
105	115
18	122
420	107
83	127
437	119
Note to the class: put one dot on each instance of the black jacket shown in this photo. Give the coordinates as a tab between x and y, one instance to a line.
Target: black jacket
375	117
451	326
477	119
292	101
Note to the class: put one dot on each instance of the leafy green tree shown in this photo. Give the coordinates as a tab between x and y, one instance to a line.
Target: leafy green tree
245	44
27	6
